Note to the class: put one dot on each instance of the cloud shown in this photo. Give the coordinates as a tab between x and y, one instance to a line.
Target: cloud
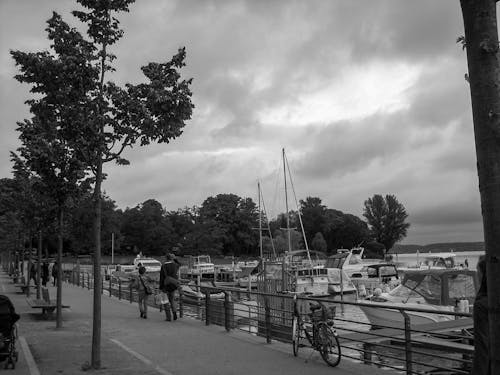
367	98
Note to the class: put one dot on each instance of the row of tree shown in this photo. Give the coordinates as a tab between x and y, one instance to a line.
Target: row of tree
223	225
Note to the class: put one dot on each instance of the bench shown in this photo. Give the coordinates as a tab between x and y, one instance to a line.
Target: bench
17	278
24	288
46	304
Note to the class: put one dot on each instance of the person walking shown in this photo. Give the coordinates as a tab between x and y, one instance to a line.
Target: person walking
33	273
45	273
144	290
169	283
55	268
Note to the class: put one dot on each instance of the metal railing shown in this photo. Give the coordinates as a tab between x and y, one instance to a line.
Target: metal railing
414	349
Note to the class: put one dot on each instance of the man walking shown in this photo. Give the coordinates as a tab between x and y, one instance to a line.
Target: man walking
169	282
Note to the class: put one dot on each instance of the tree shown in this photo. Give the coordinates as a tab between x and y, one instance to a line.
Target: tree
147	228
481	43
318	243
387	218
107	119
313	215
232	221
81	218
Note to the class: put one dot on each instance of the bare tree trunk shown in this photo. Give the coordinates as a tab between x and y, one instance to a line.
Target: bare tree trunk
59	268
30	261
96	327
481	37
39	268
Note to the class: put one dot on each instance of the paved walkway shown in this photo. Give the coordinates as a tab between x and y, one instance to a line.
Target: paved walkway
131	345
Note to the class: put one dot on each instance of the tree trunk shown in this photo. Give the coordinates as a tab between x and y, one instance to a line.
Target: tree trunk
30	262
96	328
481	37
59	268
39	268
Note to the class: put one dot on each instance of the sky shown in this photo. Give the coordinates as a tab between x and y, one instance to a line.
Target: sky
367	97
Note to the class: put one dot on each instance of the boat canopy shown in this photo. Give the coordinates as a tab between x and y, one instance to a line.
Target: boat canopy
438	287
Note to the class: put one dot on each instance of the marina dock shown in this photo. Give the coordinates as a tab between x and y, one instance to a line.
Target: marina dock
131	345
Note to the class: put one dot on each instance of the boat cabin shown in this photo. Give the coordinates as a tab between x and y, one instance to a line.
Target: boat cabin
438	286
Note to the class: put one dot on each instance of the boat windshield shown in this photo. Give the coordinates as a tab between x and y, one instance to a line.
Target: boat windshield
426	286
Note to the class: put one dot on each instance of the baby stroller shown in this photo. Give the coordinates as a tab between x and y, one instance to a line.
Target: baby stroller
8	332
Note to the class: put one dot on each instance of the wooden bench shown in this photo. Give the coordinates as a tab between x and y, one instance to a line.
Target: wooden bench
24	288
46	304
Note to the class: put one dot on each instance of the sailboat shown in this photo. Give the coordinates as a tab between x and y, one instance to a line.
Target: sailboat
301	270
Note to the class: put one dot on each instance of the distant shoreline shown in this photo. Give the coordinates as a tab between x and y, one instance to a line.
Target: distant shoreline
456	247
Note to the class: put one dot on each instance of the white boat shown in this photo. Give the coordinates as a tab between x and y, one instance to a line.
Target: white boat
199	266
434	290
301	271
431	261
384	276
151	264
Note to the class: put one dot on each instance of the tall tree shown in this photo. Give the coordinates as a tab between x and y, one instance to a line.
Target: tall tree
318	243
107	119
232	221
481	42
387	218
313	215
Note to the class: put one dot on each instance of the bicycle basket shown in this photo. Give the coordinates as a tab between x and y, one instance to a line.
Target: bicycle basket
324	314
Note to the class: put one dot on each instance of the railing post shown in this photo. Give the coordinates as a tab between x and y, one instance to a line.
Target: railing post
227	320
110	286
88	280
268	319
181	302
102	285
119	288
130	294
207	307
408	351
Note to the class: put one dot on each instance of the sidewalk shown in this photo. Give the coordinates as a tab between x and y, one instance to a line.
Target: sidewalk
130	345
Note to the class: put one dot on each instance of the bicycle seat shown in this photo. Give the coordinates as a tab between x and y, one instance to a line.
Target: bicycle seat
314	307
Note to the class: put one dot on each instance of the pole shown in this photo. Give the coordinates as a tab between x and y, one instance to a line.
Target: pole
260	225
286	206
113	248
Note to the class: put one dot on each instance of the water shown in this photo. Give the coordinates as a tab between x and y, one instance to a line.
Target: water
460	257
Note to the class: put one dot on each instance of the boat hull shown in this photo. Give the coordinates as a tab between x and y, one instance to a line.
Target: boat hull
380	317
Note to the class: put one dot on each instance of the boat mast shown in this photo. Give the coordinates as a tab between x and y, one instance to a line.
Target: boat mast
286	205
260	224
298	208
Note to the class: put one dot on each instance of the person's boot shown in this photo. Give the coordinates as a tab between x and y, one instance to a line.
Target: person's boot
175	315
168	315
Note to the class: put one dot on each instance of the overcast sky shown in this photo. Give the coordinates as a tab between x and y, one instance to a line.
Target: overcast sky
367	97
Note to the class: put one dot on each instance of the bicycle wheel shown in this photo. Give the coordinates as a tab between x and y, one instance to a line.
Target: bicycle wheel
295	335
329	346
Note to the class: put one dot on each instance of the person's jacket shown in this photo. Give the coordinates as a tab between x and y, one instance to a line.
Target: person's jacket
169	270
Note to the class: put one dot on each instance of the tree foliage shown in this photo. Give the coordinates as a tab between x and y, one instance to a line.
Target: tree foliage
387	219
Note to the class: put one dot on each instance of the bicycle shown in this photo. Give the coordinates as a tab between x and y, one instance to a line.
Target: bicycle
319	332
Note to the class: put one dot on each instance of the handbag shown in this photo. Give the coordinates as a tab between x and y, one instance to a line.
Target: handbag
161	299
147	289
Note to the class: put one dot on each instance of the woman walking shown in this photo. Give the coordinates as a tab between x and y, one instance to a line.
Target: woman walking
141	283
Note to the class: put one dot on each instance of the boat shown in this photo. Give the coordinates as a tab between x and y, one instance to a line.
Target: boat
339	283
193	293
379	275
150	264
430	261
198	266
302	271
434	290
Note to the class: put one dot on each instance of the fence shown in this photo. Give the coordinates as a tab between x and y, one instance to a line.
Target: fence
438	348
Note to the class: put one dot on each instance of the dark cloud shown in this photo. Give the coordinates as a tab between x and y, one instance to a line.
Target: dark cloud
260	67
